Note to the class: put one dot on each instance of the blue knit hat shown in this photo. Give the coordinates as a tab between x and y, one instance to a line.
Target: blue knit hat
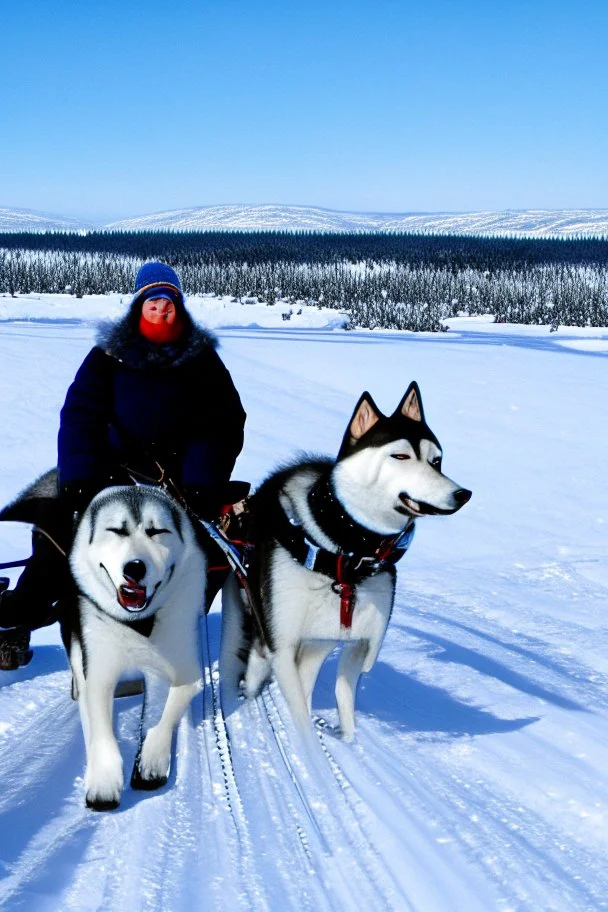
156	280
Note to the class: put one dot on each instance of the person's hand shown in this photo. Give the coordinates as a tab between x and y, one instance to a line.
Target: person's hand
202	502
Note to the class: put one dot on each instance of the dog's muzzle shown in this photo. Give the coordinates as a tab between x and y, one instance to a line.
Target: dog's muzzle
133	597
420	508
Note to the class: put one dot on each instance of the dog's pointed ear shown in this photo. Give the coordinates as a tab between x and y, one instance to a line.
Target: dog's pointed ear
411	404
364	417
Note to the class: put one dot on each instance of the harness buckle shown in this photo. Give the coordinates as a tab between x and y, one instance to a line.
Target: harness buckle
370	562
311	554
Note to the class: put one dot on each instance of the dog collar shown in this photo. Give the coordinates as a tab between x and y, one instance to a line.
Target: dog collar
336	523
345	568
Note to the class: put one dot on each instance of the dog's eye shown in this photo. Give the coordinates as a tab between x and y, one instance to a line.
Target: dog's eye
436	462
122	531
400	456
152	532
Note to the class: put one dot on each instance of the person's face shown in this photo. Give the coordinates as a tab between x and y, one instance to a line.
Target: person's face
159	310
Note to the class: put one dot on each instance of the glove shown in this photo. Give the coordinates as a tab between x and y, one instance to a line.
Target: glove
202	502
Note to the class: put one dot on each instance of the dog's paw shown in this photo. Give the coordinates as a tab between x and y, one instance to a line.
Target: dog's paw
96	803
142	784
104	782
152	764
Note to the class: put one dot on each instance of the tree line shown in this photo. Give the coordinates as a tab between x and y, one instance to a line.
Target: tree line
392	280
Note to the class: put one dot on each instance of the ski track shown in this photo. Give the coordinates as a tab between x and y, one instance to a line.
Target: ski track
244	824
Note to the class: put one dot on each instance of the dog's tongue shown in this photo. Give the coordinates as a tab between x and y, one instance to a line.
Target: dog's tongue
132	597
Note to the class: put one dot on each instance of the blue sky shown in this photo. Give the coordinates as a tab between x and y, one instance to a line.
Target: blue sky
123	108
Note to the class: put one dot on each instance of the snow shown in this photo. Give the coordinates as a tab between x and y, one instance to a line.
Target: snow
30	220
237	217
214	310
478	778
520	223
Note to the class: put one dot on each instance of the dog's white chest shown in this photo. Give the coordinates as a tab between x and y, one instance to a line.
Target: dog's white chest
309	608
118	646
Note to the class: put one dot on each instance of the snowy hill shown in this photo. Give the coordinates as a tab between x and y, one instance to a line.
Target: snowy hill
518	222
29	220
530	223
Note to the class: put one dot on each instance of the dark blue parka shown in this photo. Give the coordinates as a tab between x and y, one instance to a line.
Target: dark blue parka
136	402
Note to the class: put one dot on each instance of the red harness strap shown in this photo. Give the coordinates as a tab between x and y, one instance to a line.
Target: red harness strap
346	591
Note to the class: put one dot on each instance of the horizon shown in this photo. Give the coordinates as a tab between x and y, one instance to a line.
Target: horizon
354	107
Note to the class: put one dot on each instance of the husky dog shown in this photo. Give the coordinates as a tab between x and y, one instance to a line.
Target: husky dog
327	535
140	578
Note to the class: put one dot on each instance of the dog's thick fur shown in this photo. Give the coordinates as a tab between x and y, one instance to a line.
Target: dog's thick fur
140	578
387	474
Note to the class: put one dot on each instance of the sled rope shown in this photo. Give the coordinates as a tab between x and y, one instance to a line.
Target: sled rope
231	549
240	567
52	541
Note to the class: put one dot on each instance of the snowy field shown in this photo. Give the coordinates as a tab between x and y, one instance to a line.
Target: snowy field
478	779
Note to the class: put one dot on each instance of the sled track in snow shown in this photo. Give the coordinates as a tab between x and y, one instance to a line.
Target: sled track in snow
220	756
343	826
245	823
324	816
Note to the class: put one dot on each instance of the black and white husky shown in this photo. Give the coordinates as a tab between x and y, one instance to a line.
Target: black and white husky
327	535
140	581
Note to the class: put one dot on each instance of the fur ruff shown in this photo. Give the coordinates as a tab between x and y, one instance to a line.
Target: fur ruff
122	340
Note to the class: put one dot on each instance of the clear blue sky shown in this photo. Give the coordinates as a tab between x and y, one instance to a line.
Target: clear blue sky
114	107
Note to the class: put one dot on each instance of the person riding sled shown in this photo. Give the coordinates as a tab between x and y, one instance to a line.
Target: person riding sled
152	402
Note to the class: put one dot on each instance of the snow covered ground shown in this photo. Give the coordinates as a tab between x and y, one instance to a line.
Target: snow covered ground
478	780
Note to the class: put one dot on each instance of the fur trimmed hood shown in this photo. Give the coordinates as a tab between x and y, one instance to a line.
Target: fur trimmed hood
122	340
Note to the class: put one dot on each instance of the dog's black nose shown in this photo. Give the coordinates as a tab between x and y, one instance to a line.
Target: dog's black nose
134	570
462	496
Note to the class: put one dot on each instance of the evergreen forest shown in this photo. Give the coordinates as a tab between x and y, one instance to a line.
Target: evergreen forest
382	280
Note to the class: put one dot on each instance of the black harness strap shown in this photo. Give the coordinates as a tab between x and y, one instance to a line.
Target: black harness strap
239	554
372	553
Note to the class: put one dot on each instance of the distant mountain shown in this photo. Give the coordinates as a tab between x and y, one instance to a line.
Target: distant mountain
516	222
529	222
29	220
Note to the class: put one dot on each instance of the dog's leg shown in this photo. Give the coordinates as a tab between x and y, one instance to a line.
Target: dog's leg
375	640
288	679
309	659
104	778
349	670
234	645
258	670
153	761
79	687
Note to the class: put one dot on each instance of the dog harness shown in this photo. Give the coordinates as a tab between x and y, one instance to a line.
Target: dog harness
365	554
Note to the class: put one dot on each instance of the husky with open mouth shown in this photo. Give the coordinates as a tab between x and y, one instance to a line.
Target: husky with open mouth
140	579
326	537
